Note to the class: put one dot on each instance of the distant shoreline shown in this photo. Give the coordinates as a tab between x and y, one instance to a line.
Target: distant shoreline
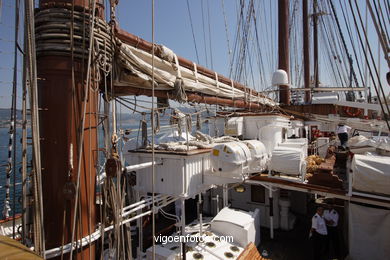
6	123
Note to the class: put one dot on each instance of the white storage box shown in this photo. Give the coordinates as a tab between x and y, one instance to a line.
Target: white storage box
243	226
179	174
259	156
253	124
287	160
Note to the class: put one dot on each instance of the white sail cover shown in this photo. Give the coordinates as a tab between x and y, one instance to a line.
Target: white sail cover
299	143
287	160
371	173
368	233
133	67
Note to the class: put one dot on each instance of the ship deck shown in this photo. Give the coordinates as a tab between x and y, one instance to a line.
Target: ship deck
295	244
290	184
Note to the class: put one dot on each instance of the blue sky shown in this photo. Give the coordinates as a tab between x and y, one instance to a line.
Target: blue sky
173	29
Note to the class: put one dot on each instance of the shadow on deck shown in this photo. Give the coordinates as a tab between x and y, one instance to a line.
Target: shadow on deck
294	244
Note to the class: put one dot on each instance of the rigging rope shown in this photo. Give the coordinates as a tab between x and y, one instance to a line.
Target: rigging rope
12	132
14	95
193	33
226	31
210	41
371	73
352	41
343	41
153	148
39	234
81	129
382	34
204	33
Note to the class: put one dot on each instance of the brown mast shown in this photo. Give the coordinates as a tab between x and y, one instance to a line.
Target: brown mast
61	103
306	50
315	43
283	43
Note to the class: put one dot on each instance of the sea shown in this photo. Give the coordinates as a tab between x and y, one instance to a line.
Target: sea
129	122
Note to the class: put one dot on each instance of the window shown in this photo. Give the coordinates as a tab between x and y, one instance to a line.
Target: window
257	194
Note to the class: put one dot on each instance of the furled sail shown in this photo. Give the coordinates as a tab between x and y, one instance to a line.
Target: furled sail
134	68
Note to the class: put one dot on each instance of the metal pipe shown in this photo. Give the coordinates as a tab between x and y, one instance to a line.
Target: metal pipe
362	194
225	195
140	234
183	216
343	196
271	213
141	166
200	211
217	201
183	226
138	207
53	252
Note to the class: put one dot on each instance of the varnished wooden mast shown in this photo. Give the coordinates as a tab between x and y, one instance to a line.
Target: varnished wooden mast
61	109
306	49
315	43
283	48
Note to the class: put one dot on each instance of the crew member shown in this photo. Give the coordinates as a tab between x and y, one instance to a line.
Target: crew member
332	220
342	132
319	234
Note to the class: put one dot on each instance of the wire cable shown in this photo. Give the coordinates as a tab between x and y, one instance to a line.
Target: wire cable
193	33
153	148
81	140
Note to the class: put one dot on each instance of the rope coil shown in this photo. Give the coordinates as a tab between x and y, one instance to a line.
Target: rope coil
53	28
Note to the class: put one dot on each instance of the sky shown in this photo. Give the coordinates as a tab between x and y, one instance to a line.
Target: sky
214	29
173	27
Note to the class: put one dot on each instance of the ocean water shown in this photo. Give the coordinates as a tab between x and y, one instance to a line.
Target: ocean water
132	124
4	139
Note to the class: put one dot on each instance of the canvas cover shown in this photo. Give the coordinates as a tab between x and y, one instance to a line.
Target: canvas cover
371	173
287	160
368	233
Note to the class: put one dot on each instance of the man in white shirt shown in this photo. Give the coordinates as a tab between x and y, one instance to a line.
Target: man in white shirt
332	220
319	234
342	132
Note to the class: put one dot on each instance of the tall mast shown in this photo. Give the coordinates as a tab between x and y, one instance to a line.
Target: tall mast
283	48
64	100
315	43
306	49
